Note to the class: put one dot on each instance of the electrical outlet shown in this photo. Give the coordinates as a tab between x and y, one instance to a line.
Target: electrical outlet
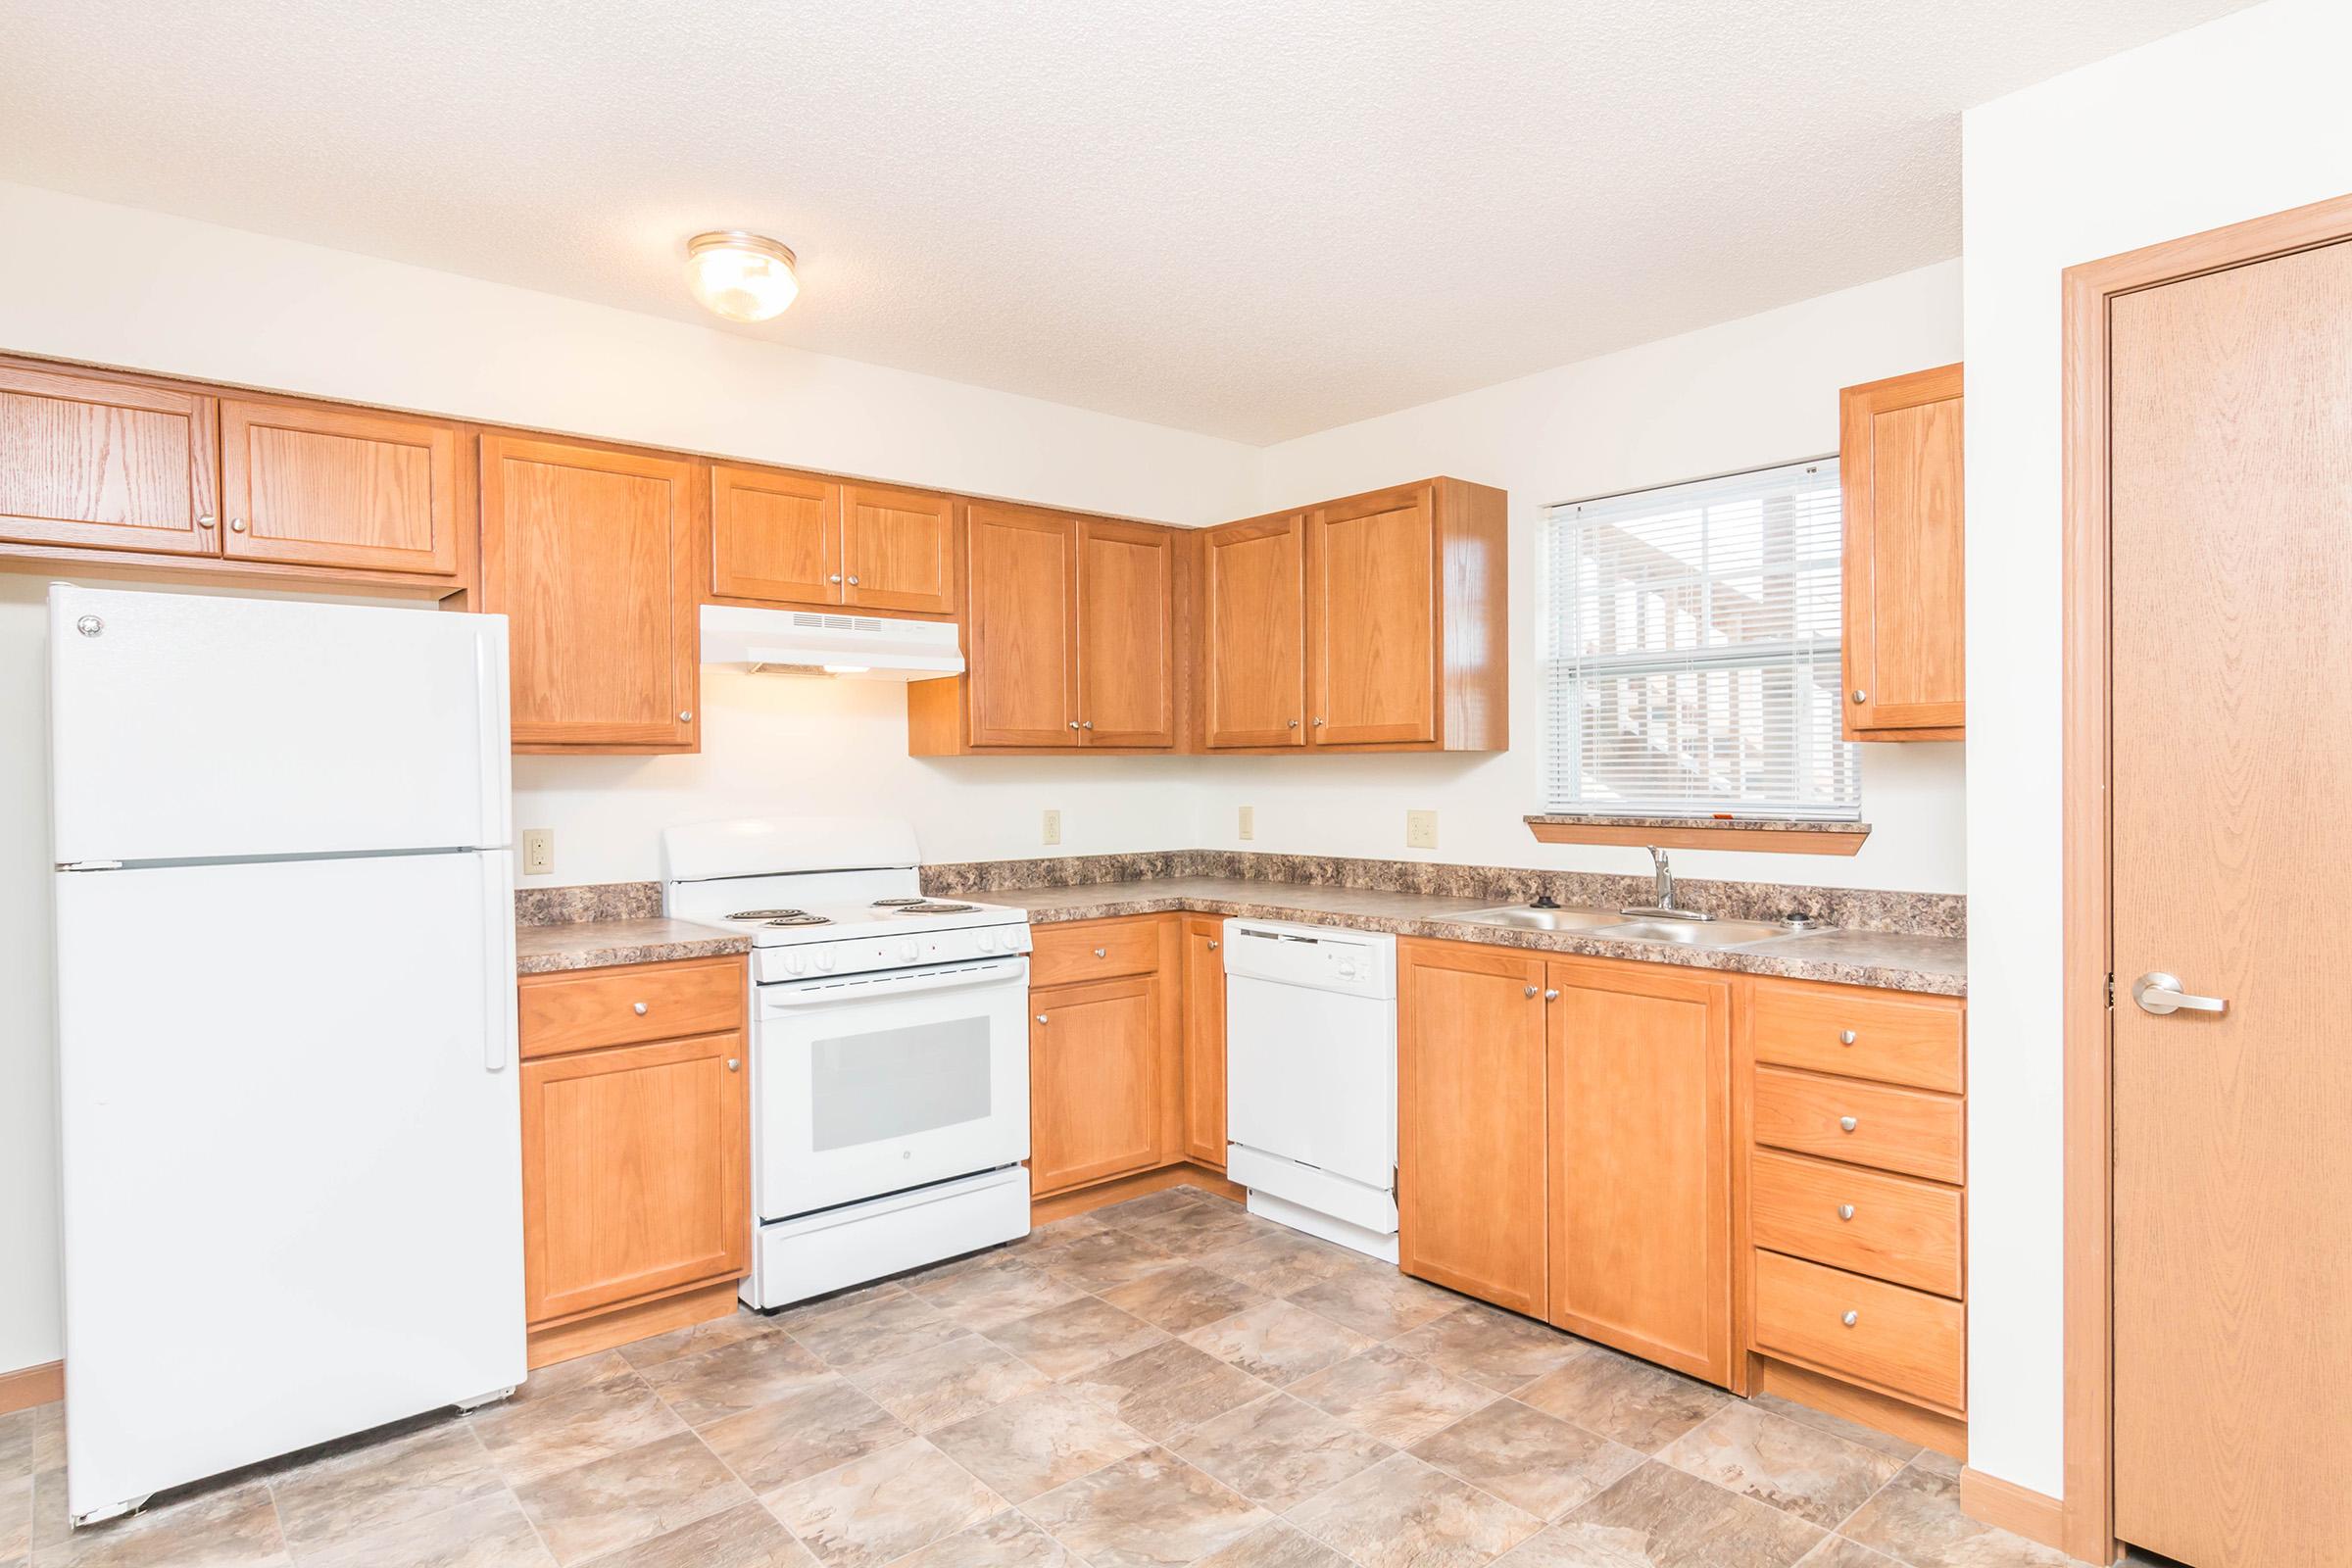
1053	826
1248	822
1420	830
538	851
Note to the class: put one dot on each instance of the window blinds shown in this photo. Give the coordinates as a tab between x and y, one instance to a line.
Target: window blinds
1692	665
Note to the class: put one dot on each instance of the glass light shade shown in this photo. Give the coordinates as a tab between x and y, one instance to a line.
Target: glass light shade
743	277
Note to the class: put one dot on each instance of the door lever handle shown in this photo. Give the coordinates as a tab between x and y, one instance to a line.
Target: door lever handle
2159	992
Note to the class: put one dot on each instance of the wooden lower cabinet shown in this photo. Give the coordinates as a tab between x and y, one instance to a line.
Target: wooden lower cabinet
1095	1082
1471	1181
1203	1013
636	1158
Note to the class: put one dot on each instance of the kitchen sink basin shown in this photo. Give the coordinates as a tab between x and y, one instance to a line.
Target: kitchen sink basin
1693	933
1527	917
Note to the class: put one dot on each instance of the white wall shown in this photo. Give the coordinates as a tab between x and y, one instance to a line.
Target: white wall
1751	392
2231	121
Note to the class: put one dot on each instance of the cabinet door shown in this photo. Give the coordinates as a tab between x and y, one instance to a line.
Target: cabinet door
1126	634
1095	1082
636	1172
590	554
1204	1040
1372	619
1641	1162
1253	638
1470	1146
106	465
899	547
1899	467
774	535
1022	633
340	487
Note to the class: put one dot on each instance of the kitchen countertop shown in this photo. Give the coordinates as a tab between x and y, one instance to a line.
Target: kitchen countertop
1893	961
595	944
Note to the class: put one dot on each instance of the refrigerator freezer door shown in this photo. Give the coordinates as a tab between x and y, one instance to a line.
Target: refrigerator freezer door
187	727
292	1157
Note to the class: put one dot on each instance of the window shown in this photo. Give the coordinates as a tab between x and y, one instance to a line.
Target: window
1692	667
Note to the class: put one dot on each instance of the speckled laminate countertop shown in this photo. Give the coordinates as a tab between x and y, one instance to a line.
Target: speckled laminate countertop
1893	961
595	944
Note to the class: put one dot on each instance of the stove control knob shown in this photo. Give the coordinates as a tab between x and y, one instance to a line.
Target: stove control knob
795	963
909	951
824	962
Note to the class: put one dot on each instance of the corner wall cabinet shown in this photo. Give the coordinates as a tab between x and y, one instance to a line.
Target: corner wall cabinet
1899	467
635	1105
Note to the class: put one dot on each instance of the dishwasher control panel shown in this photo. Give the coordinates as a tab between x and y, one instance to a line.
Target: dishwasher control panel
1359	963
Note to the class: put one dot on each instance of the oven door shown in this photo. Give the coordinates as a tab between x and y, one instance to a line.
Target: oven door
870	1083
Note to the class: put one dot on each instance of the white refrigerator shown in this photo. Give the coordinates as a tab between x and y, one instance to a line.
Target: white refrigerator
286	1000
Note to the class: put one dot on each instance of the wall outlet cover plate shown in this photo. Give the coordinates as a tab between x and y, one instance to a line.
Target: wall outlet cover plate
1420	830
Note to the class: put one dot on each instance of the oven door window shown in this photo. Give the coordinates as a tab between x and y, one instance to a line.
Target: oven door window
886	1084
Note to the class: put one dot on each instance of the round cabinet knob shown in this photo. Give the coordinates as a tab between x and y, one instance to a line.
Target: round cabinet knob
1101	952
637	1008
1552	996
1845	1211
1086	724
1041	1017
836	577
204	521
1846	1037
1847	1124
1073	724
1294	724
1530	992
1213	944
853	582
236	525
1318	724
1858	695
685	716
1850	1319
734	1064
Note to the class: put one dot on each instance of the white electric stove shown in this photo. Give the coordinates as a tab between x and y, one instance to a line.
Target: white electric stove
889	1053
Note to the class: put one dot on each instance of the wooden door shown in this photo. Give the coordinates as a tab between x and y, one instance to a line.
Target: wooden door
1641	1162
589	552
1204	1014
313	486
1471	1181
1126	634
1021	634
774	535
1372	619
636	1172
1095	1082
105	463
1899	467
1254	635
2230	565
898	548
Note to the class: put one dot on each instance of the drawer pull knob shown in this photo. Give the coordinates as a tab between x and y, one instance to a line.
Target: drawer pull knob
1845	1211
1847	1124
1041	1017
1531	991
1213	944
734	1063
1850	1319
1846	1037
1101	952
637	1008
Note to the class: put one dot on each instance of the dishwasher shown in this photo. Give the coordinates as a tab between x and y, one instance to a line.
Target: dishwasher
1310	1079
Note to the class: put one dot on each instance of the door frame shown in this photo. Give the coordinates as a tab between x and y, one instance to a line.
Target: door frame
2086	862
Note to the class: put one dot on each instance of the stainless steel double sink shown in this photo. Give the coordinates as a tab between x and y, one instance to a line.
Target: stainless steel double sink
1621	928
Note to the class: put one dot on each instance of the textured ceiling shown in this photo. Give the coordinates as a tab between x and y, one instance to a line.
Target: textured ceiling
1251	217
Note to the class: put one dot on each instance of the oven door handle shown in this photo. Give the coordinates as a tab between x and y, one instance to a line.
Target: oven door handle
827	992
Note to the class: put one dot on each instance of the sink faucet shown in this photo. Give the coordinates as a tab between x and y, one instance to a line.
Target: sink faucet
1661	906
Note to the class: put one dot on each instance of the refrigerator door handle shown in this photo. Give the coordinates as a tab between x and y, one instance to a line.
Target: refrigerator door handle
501	1023
490	707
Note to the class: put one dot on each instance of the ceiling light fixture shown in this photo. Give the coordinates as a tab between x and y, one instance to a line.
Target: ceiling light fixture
743	277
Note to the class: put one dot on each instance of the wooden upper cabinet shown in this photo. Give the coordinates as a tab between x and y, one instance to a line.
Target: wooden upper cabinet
1900	464
1372	619
105	463
1204	1014
307	485
590	552
774	534
1097	1082
898	550
1022	632
1639	1092
1253	633
1471	1183
1126	635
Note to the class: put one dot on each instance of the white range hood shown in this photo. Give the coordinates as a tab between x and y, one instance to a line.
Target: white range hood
826	642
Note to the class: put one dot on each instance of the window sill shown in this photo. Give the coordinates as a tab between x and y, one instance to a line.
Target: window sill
1764	835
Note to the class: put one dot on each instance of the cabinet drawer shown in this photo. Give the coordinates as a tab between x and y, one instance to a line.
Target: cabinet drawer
1908	1130
1095	950
623	1006
1903	1341
1858	1033
1890	1227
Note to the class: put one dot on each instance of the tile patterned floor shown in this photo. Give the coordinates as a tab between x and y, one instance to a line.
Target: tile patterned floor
1166	1382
